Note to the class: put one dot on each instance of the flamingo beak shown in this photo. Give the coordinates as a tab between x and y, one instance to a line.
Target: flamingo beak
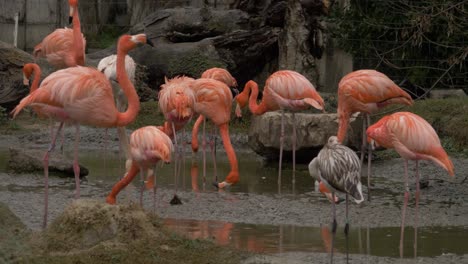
25	80
70	16
149	42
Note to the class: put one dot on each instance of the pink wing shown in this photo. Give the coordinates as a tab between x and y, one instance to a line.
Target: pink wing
369	86
83	93
149	144
221	75
213	99
412	137
284	86
57	47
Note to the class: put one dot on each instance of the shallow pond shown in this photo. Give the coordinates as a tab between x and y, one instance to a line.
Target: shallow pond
256	178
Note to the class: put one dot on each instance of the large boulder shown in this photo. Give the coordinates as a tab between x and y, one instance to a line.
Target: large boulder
31	160
11	75
190	40
312	131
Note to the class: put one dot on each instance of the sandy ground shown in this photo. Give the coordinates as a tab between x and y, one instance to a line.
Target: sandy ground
443	203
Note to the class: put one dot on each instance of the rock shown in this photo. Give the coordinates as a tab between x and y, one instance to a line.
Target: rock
31	160
312	130
86	223
13	235
11	76
190	40
441	94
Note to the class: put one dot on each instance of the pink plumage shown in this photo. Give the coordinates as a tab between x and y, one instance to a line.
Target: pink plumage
148	145
412	137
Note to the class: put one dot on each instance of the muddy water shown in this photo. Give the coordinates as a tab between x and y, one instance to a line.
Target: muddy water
432	241
254	200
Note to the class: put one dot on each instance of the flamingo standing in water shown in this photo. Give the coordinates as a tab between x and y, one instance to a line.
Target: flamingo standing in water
83	95
148	145
213	100
224	76
366	91
285	90
337	167
176	101
64	47
414	139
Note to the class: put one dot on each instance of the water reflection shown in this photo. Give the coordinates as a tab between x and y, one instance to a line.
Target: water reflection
286	238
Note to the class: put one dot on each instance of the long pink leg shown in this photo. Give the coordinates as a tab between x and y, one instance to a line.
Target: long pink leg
76	166
106	136
154	190
334	226
142	178
204	151
46	174
416	218
294	148
176	161
369	160
213	153
184	143
281	151
403	212
62	140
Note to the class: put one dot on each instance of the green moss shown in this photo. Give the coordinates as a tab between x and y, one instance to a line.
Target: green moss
149	115
106	37
192	64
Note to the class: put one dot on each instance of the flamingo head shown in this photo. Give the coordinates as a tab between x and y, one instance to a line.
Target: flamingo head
333	140
129	42
378	134
73	6
183	102
243	97
176	98
28	70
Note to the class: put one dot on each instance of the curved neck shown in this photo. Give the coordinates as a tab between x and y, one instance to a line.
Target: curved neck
133	108
224	131
77	38
36	78
255	108
342	126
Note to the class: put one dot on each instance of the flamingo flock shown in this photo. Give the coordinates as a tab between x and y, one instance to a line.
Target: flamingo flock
80	95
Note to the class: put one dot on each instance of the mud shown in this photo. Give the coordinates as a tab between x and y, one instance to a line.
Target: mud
443	203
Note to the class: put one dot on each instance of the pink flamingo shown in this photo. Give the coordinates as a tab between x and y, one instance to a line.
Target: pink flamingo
64	47
213	100
148	145
414	139
176	101
284	90
83	95
366	91
42	111
224	76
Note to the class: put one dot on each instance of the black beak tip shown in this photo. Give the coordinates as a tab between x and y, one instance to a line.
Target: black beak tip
70	20
215	184
149	42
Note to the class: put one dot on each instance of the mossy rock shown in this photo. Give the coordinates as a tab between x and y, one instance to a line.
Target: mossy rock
86	223
193	64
